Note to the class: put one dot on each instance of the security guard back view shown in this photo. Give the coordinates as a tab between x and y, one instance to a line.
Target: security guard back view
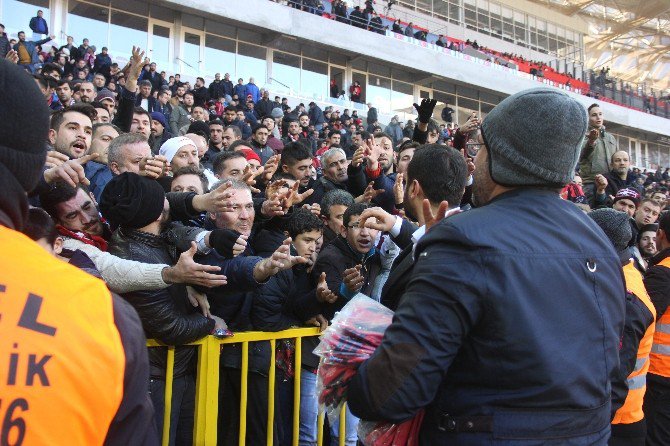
73	360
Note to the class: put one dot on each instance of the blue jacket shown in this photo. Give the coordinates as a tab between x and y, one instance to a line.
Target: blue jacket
316	115
253	90
39	25
31	47
514	314
241	92
99	175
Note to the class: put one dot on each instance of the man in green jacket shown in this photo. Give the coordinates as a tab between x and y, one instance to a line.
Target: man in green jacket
599	146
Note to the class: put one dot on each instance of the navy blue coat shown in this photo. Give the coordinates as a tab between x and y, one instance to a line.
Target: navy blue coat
514	313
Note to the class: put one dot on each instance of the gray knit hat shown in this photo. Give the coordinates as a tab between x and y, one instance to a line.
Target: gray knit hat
534	138
24	125
616	226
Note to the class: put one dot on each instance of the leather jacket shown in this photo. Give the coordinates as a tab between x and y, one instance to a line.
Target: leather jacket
166	314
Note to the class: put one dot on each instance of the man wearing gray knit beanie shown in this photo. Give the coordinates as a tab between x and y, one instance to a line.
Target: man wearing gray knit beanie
510	328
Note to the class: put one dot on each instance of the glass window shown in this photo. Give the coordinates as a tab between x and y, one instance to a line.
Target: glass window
314	79
191	54
467	92
249	36
402	97
220	29
251	63
381	70
86	21
336	74
161	13
379	92
426	5
16	15
160	46
454	12
441	8
135	6
127	30
219	55
361	78
285	72
191	21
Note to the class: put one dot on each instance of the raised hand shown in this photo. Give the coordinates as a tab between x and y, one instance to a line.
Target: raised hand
377	218
55	158
399	189
353	279
369	194
186	270
593	135
431	219
293	197
248	176
269	168
425	110
12	56
323	293
71	171
215	201
154	167
469	162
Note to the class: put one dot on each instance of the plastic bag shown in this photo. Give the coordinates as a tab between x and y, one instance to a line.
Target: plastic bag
355	333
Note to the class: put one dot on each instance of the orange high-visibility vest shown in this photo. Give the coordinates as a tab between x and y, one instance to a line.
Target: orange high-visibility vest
61	359
631	411
660	351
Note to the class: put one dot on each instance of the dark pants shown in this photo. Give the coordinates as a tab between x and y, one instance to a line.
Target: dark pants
183	408
257	408
657	412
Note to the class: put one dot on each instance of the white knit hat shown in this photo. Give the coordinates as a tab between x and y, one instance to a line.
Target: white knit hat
170	147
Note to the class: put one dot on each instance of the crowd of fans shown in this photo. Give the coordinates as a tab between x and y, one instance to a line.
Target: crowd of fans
218	209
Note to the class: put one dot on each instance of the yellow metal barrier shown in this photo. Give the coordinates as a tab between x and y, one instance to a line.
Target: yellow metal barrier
207	387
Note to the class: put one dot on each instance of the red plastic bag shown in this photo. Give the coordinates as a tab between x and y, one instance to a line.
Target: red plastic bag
353	336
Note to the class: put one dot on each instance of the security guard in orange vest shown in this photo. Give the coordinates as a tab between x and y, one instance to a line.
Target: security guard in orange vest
628	424
657	398
73	361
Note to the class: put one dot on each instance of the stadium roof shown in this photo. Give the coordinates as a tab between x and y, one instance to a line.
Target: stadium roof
632	37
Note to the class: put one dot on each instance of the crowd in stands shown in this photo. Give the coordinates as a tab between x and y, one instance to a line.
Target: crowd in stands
215	209
370	20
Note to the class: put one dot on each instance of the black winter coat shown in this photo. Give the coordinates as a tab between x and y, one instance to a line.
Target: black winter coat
166	314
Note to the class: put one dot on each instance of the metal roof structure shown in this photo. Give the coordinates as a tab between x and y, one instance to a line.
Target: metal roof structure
631	37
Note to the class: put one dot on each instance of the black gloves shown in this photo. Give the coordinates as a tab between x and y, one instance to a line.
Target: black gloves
223	241
425	110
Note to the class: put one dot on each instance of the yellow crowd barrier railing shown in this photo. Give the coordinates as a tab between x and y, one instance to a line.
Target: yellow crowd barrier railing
207	386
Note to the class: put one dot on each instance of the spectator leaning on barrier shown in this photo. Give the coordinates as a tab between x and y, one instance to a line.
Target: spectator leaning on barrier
520	220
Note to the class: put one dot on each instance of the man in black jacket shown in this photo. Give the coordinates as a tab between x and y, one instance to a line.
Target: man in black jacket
436	175
138	205
351	264
200	92
217	88
4	42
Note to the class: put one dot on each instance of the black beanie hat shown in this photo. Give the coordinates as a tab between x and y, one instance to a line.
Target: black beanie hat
616	227
199	127
24	125
132	201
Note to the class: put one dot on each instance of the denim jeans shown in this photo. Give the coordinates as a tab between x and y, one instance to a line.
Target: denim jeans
183	408
309	411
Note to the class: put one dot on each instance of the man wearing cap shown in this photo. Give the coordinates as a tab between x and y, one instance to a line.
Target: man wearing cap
138	207
58	314
180	151
159	131
512	299
626	200
628	425
108	100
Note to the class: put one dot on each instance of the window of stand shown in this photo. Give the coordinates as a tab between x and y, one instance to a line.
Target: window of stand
16	15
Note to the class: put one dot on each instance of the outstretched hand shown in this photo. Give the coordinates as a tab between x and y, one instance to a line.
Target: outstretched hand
425	110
